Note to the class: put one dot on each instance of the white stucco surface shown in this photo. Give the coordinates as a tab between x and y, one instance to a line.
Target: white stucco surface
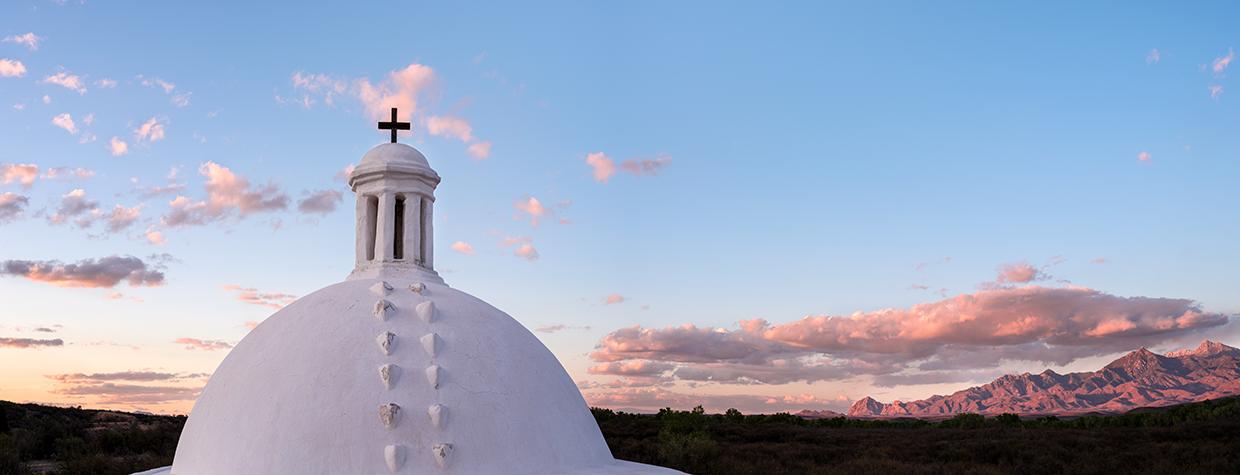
392	371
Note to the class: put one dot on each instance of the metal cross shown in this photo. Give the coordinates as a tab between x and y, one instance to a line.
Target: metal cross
394	125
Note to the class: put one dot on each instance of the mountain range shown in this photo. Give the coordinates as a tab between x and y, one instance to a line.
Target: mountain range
1139	379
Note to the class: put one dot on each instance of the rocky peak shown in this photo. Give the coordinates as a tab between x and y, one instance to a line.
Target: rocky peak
1206	348
866	406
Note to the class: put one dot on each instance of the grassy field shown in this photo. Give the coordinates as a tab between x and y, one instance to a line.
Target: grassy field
1189	439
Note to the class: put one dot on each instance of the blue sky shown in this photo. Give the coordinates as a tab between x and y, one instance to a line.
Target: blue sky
816	159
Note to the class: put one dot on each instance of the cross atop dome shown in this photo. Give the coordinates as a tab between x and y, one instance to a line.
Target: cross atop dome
394	125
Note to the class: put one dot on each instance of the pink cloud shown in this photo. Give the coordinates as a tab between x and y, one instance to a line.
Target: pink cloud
446	126
463	247
155	237
980	330
613	299
1219	65
121	218
150	131
533	207
558	327
1020	273
250	295
401	90
68	173
65	121
604	167
632	368
524	247
1143	156
22	173
527	252
68	81
479	150
227	193
11	68
30	40
118	147
205	345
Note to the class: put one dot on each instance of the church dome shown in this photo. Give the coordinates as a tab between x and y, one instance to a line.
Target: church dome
392	370
394	153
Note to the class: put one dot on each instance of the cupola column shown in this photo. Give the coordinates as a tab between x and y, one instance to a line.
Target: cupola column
361	228
413	230
385	244
428	233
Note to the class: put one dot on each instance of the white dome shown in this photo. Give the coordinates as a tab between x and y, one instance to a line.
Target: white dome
393	154
302	393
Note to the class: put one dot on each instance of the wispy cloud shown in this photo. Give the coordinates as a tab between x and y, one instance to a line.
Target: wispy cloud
1153	56
320	202
559	327
250	295
30	40
29	342
613	299
68	81
1219	65
68	173
1143	156
447	126
479	150
205	345
1216	91
604	167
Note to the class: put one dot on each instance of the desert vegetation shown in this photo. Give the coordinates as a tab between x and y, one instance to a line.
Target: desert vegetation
56	440
1193	438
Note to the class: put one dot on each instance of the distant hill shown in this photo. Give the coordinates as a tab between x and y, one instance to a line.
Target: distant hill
1139	379
820	414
